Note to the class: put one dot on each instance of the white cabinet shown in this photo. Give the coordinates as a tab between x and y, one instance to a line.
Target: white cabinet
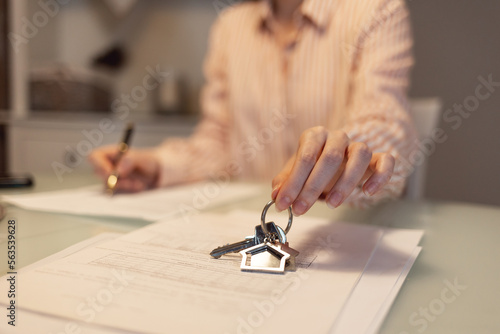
63	146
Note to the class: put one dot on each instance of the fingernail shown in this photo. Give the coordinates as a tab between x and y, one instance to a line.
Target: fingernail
283	203
275	191
334	200
371	189
299	208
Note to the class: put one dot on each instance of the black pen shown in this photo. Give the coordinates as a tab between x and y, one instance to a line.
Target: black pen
123	147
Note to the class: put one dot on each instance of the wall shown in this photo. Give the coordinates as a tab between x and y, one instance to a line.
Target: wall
456	42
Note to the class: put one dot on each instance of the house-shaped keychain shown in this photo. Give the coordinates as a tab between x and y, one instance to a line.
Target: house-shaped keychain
264	257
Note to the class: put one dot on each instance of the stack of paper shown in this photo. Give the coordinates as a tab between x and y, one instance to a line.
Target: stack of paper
160	279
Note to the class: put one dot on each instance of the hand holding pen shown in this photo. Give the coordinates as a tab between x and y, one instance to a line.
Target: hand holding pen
123	147
125	169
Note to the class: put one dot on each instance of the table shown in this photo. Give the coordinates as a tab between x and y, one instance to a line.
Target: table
453	287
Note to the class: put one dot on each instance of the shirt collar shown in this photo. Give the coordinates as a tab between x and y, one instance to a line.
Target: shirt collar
319	12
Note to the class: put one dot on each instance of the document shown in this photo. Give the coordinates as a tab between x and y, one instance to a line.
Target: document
33	322
149	205
96	240
382	278
373	295
161	279
384	309
156	279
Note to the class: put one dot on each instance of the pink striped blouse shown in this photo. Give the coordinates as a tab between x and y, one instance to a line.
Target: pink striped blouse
347	69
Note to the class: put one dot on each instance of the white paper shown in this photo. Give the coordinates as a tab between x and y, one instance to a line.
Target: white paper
149	205
93	241
167	282
379	278
386	306
30	322
372	297
36	323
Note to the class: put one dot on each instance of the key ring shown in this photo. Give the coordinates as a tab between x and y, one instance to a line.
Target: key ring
263	218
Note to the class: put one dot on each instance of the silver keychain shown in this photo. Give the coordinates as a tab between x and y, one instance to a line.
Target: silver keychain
273	254
256	239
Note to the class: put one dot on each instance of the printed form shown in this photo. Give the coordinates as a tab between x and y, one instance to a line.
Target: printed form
160	278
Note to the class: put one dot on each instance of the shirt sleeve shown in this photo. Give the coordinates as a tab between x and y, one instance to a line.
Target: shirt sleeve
206	151
378	106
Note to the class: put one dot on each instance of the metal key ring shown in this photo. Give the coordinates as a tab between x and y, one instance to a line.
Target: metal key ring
263	218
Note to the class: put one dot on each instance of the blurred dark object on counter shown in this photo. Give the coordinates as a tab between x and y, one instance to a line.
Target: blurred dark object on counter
12	181
112	59
62	88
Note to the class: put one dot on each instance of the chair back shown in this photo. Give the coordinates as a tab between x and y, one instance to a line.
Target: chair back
425	113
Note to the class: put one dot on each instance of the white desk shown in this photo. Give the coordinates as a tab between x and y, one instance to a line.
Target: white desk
460	243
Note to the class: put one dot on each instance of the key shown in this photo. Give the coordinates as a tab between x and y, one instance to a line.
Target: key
256	239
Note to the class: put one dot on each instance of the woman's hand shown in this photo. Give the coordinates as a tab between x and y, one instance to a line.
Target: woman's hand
327	164
138	170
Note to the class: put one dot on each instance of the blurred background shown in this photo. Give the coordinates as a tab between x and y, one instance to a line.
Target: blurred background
64	63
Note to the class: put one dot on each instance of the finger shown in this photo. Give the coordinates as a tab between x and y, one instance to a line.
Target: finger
139	184
335	178
127	164
147	164
324	173
281	177
131	184
310	147
100	160
124	185
358	161
101	173
382	165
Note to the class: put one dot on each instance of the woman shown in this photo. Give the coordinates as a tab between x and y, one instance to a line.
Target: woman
312	92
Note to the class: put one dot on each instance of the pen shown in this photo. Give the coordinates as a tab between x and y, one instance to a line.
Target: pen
122	149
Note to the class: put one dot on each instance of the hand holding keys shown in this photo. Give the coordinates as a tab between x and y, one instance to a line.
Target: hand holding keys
267	250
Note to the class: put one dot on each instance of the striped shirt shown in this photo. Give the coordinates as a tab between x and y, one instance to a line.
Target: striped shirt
346	70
